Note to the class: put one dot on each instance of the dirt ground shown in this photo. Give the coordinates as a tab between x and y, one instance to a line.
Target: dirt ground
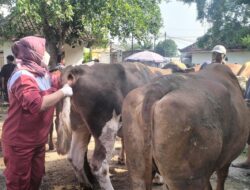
60	175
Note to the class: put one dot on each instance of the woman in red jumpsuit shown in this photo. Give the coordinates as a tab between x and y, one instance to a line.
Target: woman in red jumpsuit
32	97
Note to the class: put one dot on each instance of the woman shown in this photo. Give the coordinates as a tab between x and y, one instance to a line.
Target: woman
32	97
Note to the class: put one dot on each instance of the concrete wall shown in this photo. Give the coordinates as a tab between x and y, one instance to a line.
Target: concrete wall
233	57
199	58
239	57
5	49
73	55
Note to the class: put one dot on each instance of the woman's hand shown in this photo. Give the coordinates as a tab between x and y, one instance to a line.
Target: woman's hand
67	90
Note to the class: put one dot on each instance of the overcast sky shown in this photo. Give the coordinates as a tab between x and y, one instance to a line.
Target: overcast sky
180	23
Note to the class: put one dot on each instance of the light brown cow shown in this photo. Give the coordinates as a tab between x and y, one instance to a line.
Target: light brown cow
235	68
190	124
245	70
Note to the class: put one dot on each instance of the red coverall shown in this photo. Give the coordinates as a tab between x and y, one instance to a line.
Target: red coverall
25	131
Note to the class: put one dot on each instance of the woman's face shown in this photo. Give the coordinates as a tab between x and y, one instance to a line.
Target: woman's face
45	60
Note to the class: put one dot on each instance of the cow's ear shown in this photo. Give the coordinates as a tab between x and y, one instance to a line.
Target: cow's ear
117	117
72	79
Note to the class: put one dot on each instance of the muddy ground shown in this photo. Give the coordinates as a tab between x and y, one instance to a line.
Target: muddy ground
60	175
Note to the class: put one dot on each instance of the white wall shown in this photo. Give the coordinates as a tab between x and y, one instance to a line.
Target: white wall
199	58
238	57
73	55
104	58
7	50
233	57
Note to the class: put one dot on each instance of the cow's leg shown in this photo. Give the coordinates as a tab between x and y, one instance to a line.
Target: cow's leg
246	163
221	177
104	145
209	186
77	154
121	158
51	144
137	147
138	163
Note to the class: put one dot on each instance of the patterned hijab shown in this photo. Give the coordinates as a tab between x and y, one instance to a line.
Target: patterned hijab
29	53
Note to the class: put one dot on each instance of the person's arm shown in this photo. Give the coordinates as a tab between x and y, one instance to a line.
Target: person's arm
2	78
52	99
26	91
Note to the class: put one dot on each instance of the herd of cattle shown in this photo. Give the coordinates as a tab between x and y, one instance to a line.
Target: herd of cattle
182	125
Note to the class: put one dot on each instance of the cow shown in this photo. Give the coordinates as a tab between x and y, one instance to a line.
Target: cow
246	164
188	125
234	67
245	70
95	110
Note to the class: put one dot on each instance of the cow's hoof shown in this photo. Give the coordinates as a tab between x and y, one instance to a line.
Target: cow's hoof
245	165
158	179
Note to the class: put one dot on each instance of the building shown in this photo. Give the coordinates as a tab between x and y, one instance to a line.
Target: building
73	55
194	55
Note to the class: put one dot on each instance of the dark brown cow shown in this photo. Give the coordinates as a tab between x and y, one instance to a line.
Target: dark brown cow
95	110
190	124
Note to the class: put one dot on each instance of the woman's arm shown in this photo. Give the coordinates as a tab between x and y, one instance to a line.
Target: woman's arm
52	99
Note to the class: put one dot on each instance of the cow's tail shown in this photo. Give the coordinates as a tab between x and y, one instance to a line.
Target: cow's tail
64	129
154	93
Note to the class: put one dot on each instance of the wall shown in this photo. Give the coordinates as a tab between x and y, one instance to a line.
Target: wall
7	50
103	54
73	55
239	57
199	58
233	57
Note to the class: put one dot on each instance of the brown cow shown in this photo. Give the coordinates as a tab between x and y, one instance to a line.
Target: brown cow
95	109
245	70
190	124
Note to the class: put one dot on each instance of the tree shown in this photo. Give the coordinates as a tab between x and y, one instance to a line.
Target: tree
88	22
230	22
166	48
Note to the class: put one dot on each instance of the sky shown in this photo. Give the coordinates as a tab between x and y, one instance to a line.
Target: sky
180	24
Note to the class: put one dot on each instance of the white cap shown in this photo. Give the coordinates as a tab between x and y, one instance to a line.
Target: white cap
220	49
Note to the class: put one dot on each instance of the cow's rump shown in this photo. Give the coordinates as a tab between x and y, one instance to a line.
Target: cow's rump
197	124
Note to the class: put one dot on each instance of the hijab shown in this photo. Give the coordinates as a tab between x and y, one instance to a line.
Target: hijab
29	52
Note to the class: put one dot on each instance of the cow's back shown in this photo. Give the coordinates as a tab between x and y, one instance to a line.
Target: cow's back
209	132
100	89
199	125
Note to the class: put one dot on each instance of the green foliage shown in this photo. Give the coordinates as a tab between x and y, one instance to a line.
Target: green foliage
229	19
89	21
87	55
246	41
146	44
166	48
